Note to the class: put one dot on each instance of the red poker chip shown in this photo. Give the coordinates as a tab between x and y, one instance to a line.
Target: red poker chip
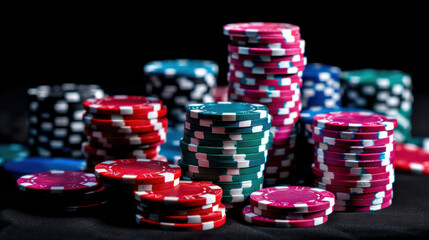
291	216
141	116
187	193
177	210
348	143
130	129
292	199
103	134
355	190
341	176
143	187
181	226
354	163
357	183
293	98
353	156
260	70
250	217
90	119
356	149
142	143
355	122
353	170
261	28
140	153
265	39
137	150
137	171
362	209
411	158
58	182
122	105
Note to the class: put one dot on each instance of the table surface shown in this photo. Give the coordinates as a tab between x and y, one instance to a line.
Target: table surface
408	217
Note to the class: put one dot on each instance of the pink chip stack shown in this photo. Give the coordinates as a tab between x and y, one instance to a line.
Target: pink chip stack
266	61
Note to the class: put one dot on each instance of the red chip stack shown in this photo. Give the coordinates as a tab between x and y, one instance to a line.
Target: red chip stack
123	127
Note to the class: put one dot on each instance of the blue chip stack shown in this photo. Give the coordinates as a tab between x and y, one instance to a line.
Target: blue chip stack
179	82
321	86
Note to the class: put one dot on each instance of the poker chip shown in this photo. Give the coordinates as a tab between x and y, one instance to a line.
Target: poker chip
182	226
223	150
351	135
370	196
226	137
266	63
411	158
122	105
236	111
181	211
375	207
227	144
12	152
290	216
341	176
363	202
387	92
180	82
354	122
55	126
354	163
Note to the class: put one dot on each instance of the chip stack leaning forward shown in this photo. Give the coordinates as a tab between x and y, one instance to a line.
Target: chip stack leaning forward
266	63
387	92
55	119
321	86
179	82
354	158
227	143
124	127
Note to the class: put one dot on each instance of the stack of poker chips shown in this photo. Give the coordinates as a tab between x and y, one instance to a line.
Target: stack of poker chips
321	86
266	63
354	157
189	206
289	207
305	145
412	159
180	82
387	92
227	143
123	127
62	191
55	119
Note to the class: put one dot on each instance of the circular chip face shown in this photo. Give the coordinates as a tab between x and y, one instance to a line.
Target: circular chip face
137	171
187	193
355	122
123	105
412	158
261	28
57	182
227	111
253	218
292	199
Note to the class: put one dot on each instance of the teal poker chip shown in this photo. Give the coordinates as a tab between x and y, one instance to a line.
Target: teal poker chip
223	178
221	150
228	144
219	171
12	152
224	164
225	157
227	111
228	124
224	130
236	191
225	137
239	184
182	67
235	198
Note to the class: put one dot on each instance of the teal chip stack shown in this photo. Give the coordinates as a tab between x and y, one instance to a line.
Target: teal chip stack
387	92
227	143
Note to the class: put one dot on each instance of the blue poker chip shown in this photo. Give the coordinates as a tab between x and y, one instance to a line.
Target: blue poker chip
171	148
182	67
41	164
321	71
308	115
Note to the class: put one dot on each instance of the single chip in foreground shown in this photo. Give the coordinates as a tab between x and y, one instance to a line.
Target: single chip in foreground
292	199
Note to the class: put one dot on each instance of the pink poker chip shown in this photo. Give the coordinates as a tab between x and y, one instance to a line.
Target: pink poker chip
292	199
265	39
348	143
266	51
262	70
261	28
250	217
355	122
375	207
58	182
123	105
411	158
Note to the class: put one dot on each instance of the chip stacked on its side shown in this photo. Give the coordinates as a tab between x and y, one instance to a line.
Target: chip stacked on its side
266	62
227	143
412	158
191	206
354	158
123	127
179	82
289	207
387	92
321	86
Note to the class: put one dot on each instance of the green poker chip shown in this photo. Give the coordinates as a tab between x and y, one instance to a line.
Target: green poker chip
225	137
219	171
235	198
223	178
379	78
227	111
221	150
239	184
224	157
224	164
224	130
228	124
249	190
228	144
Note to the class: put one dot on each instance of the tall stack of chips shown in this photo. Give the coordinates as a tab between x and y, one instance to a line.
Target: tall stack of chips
123	127
266	63
55	119
354	157
321	86
387	92
289	207
227	144
180	82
